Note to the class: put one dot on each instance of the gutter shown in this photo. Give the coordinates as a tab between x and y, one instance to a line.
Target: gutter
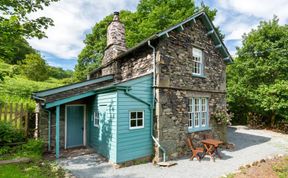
153	100
38	98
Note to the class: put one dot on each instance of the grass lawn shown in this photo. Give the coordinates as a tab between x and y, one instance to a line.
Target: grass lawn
35	169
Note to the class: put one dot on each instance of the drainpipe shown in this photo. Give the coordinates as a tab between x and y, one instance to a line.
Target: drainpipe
153	100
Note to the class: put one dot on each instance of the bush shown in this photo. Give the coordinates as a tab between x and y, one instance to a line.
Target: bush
9	134
33	147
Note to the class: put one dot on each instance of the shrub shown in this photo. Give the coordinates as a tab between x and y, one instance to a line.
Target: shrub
33	147
9	134
221	116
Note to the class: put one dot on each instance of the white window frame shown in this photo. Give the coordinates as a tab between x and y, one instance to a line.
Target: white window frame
197	54
201	109
136	119
96	119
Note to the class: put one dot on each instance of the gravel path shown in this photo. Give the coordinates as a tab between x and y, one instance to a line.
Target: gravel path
251	145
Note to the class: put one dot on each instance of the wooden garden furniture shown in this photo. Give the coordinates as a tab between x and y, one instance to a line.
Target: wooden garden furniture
211	146
194	150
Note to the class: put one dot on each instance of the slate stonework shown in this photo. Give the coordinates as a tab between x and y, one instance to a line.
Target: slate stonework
176	85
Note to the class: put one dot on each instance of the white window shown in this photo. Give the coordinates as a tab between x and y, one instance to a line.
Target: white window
198	113
96	119
136	119
197	68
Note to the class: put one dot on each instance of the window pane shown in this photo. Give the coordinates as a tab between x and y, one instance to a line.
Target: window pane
203	119
196	119
196	104
133	115
203	104
140	122
133	123
139	114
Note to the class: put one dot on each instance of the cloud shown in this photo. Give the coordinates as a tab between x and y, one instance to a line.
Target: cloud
73	19
264	9
236	17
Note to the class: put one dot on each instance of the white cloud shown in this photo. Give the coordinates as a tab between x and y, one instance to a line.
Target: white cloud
236	17
72	18
264	9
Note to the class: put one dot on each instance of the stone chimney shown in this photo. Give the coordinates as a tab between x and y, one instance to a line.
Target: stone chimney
115	40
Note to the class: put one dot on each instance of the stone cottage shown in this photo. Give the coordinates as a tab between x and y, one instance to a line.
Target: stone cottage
142	101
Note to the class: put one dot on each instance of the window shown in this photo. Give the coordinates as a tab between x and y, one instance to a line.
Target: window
136	119
96	119
197	62
198	113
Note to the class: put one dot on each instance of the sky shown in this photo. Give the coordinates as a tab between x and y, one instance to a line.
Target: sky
74	19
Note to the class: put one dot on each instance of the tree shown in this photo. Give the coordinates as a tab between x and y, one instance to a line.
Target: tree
35	68
150	17
15	24
59	73
257	81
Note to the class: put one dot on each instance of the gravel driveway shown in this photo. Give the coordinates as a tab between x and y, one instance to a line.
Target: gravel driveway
251	145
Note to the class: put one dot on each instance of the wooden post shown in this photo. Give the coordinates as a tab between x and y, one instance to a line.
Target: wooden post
49	130
11	113
5	112
26	120
37	110
16	115
1	111
57	140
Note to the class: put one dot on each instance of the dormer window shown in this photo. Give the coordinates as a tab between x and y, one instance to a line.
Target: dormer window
197	62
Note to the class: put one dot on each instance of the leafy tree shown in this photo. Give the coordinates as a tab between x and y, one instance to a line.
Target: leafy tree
150	17
35	68
15	50
59	73
257	81
15	24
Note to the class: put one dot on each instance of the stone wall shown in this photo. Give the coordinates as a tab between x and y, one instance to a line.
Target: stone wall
176	85
140	64
134	65
43	127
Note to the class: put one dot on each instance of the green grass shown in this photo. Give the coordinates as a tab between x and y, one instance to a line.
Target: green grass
281	168
18	89
35	169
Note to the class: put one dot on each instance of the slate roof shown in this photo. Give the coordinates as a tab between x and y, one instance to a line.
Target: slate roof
200	15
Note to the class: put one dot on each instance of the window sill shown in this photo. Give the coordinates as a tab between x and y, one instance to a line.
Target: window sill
199	76
190	130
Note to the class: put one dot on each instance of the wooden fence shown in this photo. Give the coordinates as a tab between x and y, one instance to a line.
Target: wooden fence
16	114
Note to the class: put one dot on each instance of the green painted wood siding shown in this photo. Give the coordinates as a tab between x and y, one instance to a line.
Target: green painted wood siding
103	138
134	143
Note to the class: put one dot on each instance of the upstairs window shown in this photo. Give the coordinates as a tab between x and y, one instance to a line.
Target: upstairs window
197	62
136	119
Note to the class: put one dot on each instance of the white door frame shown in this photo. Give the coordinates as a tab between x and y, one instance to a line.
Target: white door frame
84	123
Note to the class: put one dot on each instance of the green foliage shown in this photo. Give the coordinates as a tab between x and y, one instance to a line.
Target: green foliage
35	68
222	116
151	17
257	81
15	25
35	169
32	148
281	168
14	50
59	73
17	89
9	134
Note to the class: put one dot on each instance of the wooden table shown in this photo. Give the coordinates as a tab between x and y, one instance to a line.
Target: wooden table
211	147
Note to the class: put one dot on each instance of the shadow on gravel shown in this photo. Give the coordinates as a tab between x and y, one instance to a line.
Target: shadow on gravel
244	140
